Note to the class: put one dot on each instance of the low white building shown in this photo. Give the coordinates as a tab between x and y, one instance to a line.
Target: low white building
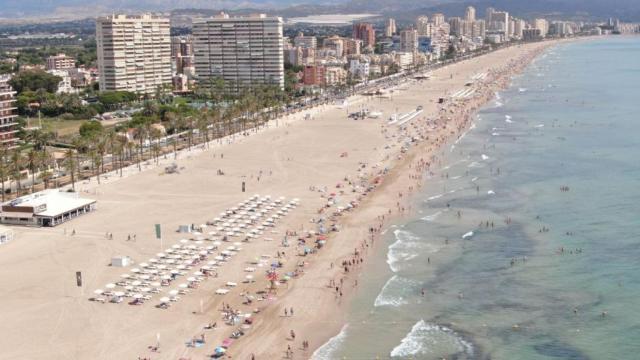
45	208
359	68
64	86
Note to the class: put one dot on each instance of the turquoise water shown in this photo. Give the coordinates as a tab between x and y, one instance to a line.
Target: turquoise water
561	279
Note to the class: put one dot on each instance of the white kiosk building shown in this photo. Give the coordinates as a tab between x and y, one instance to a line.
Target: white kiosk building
45	208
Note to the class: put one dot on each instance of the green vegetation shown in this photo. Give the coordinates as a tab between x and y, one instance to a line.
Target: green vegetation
111	98
90	129
33	80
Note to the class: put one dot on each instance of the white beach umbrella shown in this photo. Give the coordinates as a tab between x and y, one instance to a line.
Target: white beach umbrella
165	300
110	286
136	283
118	294
128	287
135	270
125	276
98	291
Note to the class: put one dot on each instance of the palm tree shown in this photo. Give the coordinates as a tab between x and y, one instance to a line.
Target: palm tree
96	159
33	162
16	163
4	169
70	165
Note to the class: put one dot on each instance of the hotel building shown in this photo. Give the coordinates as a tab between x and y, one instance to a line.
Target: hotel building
243	51
134	53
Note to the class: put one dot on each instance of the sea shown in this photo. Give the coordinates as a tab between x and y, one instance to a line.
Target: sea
526	236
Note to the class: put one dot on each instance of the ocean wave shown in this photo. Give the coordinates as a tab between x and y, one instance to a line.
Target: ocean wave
432	217
327	350
403	249
394	292
431	339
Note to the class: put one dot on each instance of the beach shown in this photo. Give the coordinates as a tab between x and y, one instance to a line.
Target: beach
358	175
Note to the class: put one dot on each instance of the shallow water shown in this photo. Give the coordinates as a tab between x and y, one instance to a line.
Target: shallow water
508	291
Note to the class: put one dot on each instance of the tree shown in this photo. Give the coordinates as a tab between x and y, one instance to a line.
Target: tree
70	165
4	169
91	129
15	167
34	80
33	161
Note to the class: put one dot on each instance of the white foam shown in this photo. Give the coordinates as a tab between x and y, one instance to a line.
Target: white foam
485	157
474	179
425	339
495	134
402	250
392	293
522	90
434	197
468	235
327	351
507	119
540	125
456	177
491	192
432	217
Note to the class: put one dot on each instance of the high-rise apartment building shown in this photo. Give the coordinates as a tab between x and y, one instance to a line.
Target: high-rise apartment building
500	22
134	52
305	42
422	25
336	44
455	24
242	51
390	27
409	40
60	62
182	54
352	46
8	115
479	29
366	33
470	14
542	25
437	19
488	14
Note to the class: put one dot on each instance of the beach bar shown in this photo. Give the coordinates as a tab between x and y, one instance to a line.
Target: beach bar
45	208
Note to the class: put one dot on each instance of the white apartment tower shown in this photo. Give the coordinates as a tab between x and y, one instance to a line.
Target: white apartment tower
242	51
470	14
134	53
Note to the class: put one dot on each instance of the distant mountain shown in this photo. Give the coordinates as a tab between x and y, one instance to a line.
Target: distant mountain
626	10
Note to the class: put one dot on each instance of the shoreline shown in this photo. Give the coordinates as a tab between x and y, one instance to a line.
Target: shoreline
393	182
307	159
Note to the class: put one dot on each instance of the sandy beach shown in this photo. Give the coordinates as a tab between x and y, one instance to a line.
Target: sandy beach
329	162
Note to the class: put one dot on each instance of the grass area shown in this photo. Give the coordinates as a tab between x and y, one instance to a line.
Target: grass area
61	127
